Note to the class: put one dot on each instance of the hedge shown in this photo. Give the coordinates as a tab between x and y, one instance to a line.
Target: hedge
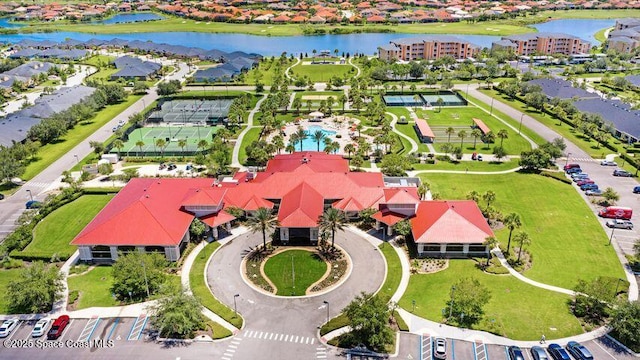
556	175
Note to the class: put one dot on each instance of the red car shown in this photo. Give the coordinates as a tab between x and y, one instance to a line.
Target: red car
58	327
585	181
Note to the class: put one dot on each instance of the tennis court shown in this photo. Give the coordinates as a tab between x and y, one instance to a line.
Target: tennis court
171	135
449	99
192	111
402	100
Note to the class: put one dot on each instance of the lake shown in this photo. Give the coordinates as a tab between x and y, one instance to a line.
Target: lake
130	18
269	46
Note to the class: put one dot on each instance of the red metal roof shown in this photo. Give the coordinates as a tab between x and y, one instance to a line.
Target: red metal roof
480	124
348	204
424	129
218	219
460	222
301	207
388	217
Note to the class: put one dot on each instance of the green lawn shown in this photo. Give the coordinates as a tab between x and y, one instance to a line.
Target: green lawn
294	271
252	135
394	272
516	310
461	118
181	24
588	14
600	35
469	166
567	242
201	290
54	233
49	153
322	72
94	288
590	146
268	71
6	276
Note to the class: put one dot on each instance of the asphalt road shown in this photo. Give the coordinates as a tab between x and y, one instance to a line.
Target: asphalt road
12	206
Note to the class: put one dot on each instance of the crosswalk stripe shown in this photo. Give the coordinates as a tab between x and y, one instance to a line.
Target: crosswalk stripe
312	341
271	336
286	338
260	336
281	337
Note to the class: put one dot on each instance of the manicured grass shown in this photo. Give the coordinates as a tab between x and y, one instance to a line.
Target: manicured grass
268	71
588	14
294	271
6	276
590	146
516	310
94	288
394	272
567	242
180	24
322	72
252	135
201	291
219	331
600	35
461	118
49	153
469	165
54	233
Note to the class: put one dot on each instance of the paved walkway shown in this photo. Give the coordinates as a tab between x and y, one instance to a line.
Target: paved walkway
394	120
235	162
355	66
286	72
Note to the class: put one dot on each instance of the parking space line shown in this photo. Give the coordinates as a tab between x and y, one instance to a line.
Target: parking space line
113	328
138	326
425	350
20	322
605	350
66	330
89	328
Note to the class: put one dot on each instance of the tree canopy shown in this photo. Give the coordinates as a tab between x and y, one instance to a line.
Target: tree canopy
368	316
135	271
35	290
467	300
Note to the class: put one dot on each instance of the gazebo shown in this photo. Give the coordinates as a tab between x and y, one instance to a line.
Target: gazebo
316	116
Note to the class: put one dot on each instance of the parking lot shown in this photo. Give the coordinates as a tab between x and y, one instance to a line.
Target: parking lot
602	349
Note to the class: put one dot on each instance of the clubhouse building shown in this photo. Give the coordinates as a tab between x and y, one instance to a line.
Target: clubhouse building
154	214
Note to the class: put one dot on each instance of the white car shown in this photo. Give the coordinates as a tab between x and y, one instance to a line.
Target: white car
620	224
608	163
7	327
41	327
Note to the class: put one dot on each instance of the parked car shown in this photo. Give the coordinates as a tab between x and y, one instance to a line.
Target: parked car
1	196
596	192
58	327
557	352
7	327
571	166
515	353
636	190
619	224
33	204
538	353
586	187
578	176
479	157
585	181
579	351
574	170
608	163
41	327
440	348
171	166
622	173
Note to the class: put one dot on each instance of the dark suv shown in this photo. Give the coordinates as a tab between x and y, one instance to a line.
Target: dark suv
557	352
622	173
579	351
515	353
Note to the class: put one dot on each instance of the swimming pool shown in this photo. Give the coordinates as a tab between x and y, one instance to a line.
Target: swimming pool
309	144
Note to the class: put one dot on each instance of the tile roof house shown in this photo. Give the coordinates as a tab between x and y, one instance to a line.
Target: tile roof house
155	214
130	67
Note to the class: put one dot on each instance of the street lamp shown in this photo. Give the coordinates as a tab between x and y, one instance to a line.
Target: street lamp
30	194
453	291
520	127
611	237
618	284
327	304
77	159
146	282
567	161
235	305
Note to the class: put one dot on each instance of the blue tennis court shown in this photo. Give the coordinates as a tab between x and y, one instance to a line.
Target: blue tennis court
449	99
402	100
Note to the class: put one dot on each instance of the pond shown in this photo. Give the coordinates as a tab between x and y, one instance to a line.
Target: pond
582	28
130	18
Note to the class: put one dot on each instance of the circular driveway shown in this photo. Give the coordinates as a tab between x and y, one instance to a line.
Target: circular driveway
299	316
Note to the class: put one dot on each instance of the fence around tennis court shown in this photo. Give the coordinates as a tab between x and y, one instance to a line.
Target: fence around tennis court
171	137
192	111
449	98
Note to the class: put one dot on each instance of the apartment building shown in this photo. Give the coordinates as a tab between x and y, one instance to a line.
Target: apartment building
543	43
429	47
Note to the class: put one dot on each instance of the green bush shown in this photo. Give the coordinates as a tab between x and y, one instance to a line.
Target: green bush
556	175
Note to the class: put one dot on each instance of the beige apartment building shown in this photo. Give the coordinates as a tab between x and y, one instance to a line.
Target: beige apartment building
544	44
430	47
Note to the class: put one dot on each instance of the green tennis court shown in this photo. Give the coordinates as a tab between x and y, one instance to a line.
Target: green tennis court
171	137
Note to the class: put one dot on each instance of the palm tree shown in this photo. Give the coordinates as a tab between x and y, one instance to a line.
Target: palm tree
440	102
332	220
349	148
161	143
490	242
462	134
317	137
423	189
262	220
473	195
476	133
512	221
342	99
290	148
489	197
309	103
224	134
182	143
489	138
203	145
523	239
278	142
450	131
118	144
502	134
140	144
330	101
301	135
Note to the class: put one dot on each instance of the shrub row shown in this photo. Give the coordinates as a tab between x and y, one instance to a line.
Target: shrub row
556	175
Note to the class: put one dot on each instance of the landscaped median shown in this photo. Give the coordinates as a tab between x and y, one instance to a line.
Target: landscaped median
201	291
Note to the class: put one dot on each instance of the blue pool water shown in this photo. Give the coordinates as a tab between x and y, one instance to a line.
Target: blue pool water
309	144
